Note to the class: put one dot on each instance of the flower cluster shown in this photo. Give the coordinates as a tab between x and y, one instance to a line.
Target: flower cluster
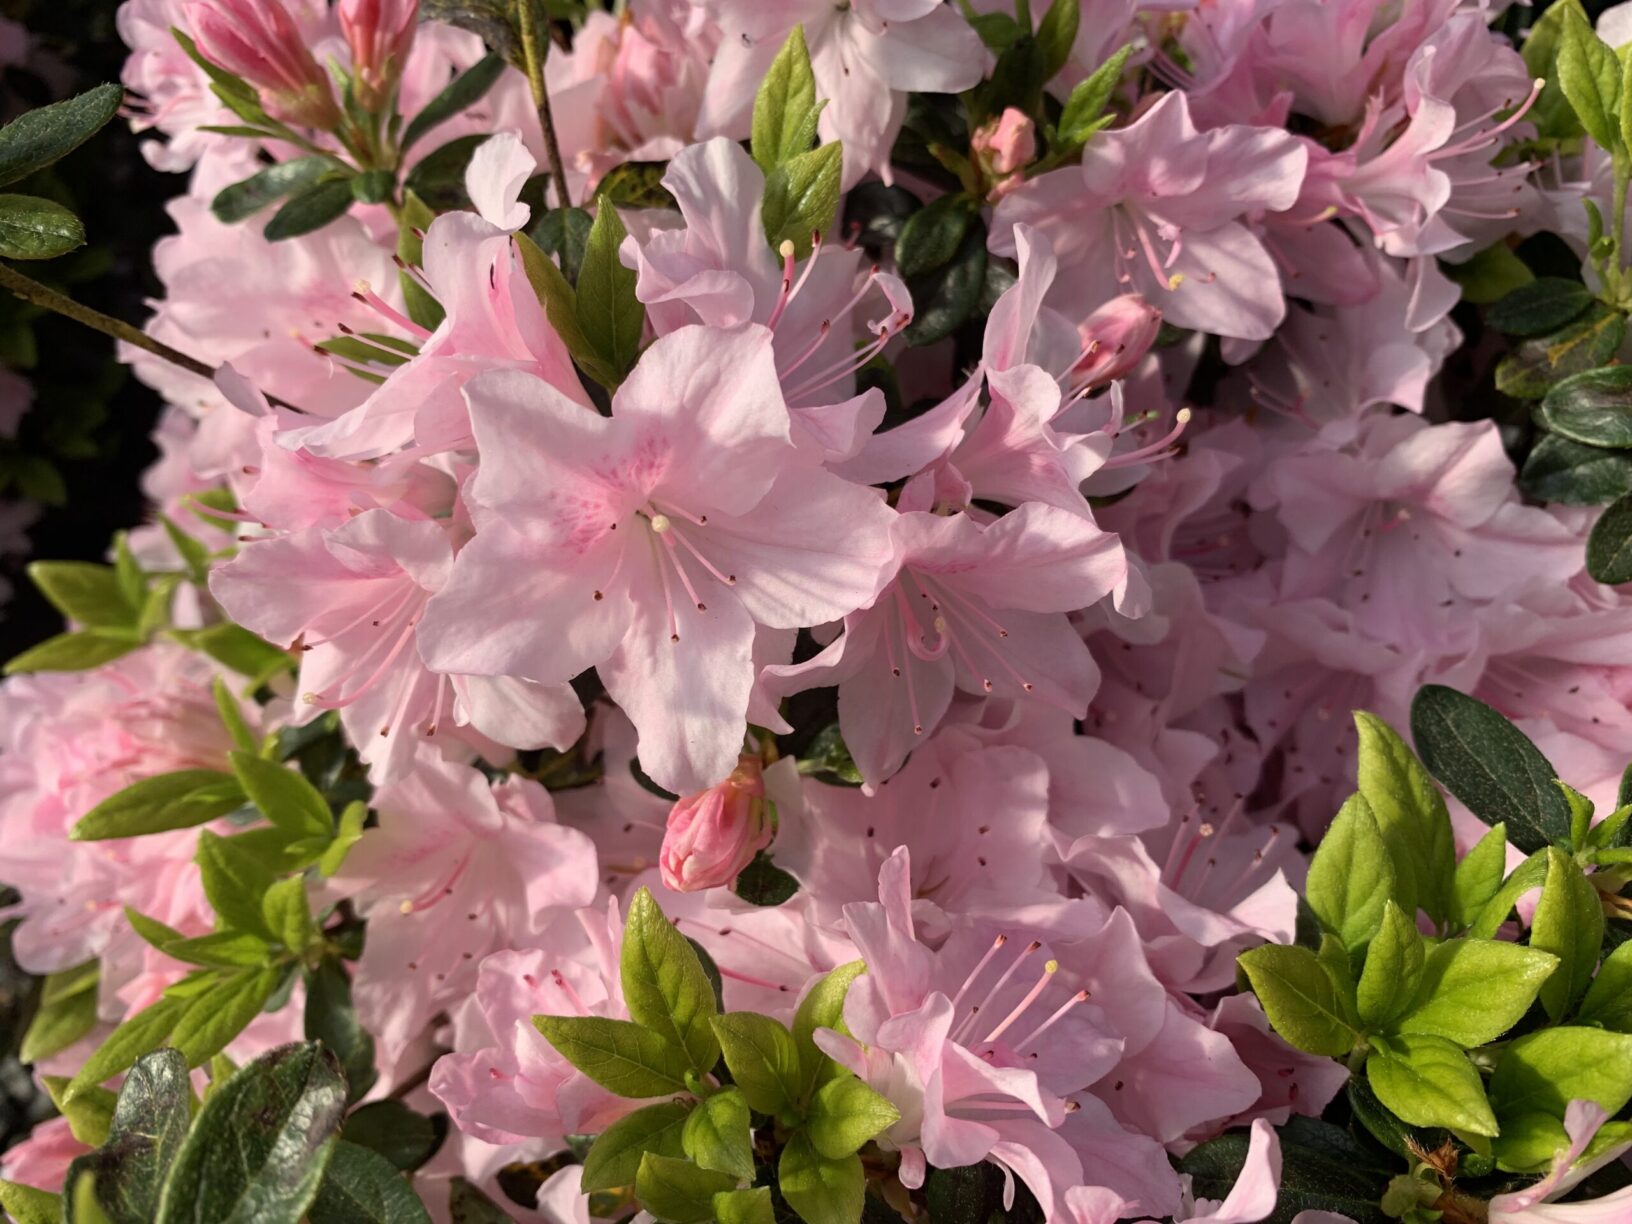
874	593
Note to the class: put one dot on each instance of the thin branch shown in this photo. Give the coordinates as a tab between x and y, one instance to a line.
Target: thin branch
36	294
535	54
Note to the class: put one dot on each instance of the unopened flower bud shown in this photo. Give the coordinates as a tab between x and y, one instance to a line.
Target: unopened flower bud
380	34
1003	148
1115	339
713	835
258	41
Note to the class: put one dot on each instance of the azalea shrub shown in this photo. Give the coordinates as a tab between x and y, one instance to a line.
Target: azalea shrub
968	613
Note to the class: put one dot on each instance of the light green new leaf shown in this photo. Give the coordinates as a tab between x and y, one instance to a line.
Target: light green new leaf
802	197
1299	998
1546	1070
786	107
763	1059
1479	876
140	1034
1569	923
822	1007
1608	1003
1590	76
844	1114
1393	970
26	1205
1427	1081
234	881
1410	814
614	1157
284	796
214	1018
619	1056
677	1191
745	1206
85	592
822	1191
1474	990
179	800
664	984
717	1135
1352	875
1084	112
67	1012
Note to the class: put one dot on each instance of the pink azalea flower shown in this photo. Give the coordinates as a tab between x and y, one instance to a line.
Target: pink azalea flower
1292	1082
1534	1205
867	57
973	607
380	34
1158	208
504	1082
42	1159
454	870
650	543
351	599
711	836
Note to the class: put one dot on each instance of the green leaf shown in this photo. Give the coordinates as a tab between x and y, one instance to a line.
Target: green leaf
468	1205
1299	999
763	1059
745	1206
1427	1081
331	1018
1608	1002
286	911
26	1205
363	1187
614	1158
403	1136
1529	1142
232	715
932	235
1540	306
89	594
1322	1169
560	303
1384	1126
260	1145
1532	873
1569	923
460	94
32	228
664	984
236	647
352	819
1410	814
610	317
1490	275
219	1014
677	1190
1551	113
1572	474
140	1034
564	233
1490	765
844	1114
1590	76
1084	112
310	210
718	1135
822	1191
284	796
1609	546
1538	362
945	299
222	949
1474	990
149	1124
1393	970
1594	408
1479	876
763	883
89	1113
802	198
822	1007
246	198
67	1012
39	137
619	1056
73	652
1543	1072
786	108
179	800
1057	35
234	881
1351	876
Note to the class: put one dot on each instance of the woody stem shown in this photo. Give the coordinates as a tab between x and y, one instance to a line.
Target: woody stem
534	51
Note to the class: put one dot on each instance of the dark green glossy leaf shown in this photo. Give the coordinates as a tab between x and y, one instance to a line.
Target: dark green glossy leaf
39	137
762	882
933	234
32	228
1609	546
1328	1173
247	197
1594	408
362	1187
310	210
1539	363
1572	474
1543	305
948	296
331	1019
404	1137
463	92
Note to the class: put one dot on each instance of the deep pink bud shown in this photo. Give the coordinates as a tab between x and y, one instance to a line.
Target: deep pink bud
379	33
713	835
1003	147
1115	338
259	41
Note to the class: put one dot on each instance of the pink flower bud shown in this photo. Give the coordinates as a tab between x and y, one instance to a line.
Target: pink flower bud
258	41
379	33
1003	147
713	835
1115	339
